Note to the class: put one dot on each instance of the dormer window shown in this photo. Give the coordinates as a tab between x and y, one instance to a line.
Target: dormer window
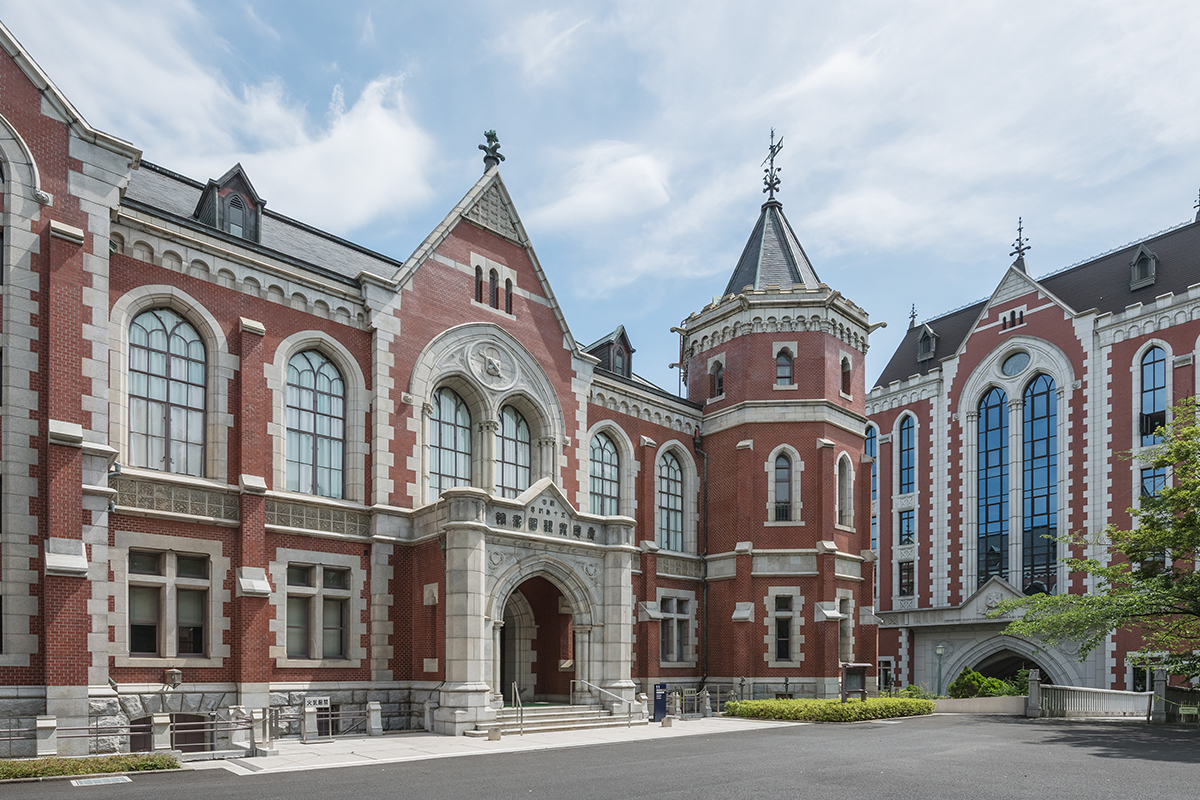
230	204
926	344
1142	269
235	216
619	362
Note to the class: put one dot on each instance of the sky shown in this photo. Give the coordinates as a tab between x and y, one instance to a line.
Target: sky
915	133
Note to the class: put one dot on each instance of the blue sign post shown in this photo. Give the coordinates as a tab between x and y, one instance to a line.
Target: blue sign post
660	701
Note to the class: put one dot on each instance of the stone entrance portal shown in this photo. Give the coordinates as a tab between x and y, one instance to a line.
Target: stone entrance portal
537	644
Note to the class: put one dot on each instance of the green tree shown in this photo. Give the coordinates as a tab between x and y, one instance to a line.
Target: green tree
1146	581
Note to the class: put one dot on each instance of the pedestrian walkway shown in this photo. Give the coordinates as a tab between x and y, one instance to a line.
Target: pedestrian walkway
295	755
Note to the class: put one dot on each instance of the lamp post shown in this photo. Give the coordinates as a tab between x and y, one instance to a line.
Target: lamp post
940	650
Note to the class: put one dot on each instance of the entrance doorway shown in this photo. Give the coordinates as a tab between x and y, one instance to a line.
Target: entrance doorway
537	648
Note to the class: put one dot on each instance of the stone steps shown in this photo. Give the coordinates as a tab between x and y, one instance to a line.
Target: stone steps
544	719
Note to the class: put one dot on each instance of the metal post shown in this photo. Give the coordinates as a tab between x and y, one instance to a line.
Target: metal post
940	649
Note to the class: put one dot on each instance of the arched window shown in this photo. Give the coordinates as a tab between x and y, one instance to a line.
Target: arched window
1039	512
316	425
512	462
618	360
235	216
871	448
783	488
783	368
993	485
449	443
907	454
167	383
508	297
1154	395
479	284
494	289
845	376
845	493
716	380
670	503
605	474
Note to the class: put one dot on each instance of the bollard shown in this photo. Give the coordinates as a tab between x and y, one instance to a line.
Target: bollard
308	731
493	734
1158	703
160	724
374	719
47	736
668	721
1033	700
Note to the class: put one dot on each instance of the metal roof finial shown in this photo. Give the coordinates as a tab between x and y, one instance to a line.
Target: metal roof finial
1197	207
912	317
771	173
491	151
1021	245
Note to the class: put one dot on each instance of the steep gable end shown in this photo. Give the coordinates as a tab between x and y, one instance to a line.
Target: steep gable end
492	210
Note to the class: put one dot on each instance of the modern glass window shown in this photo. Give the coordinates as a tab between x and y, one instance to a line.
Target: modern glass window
871	448
845	493
449	443
512	462
908	447
1154	395
783	368
167	383
783	488
316	425
670	503
992	476
906	575
908	527
168	604
1154	480
1039	512
673	639
605	465
318	603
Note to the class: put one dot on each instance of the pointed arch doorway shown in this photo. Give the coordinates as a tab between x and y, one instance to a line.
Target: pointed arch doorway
537	643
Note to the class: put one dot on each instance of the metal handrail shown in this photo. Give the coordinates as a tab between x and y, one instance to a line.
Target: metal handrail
520	710
619	699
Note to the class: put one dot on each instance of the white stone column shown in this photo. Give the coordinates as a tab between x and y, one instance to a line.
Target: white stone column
488	429
583	655
497	655
611	642
547	458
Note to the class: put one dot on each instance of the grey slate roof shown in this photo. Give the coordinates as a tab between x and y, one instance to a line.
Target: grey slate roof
1101	283
162	191
773	255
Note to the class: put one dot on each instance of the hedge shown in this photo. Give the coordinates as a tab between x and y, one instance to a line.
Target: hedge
47	767
829	710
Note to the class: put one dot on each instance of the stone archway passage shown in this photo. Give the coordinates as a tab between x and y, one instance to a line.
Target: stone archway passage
536	643
1005	664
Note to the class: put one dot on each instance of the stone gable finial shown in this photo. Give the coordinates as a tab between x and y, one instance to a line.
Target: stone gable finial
491	151
771	173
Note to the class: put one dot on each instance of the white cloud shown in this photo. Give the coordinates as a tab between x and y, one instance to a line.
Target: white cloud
539	43
611	180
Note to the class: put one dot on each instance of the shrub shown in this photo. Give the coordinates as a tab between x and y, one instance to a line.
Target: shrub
970	683
46	767
829	710
917	693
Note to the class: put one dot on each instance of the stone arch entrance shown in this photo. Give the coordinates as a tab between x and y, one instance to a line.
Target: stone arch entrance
1002	656
537	643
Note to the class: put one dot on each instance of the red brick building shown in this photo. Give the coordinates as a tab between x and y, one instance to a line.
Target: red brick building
282	464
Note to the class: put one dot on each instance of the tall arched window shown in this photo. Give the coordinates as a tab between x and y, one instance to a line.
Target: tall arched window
1154	395
1039	512
167	385
316	425
845	376
449	443
716	380
845	479
670	503
494	289
235	216
993	485
908	448
512	462
618	360
479	284
783	488
783	368
871	448
508	297
605	474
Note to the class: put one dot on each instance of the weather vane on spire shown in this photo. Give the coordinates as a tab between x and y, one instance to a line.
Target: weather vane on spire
1021	245
771	173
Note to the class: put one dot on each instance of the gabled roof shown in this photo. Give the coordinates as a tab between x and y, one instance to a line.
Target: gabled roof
1101	283
773	255
236	174
602	348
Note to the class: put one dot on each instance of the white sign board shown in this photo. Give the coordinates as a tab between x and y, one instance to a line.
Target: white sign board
316	702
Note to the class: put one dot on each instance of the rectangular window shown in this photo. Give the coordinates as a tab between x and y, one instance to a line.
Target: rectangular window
297	627
906	578
673	639
783	639
1153	481
299	576
168	604
908	532
190	605
333	629
145	563
143	620
318	612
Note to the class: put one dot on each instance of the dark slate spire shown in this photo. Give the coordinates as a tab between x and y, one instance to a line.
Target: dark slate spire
773	254
1020	247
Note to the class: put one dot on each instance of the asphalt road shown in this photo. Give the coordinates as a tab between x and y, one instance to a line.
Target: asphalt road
979	758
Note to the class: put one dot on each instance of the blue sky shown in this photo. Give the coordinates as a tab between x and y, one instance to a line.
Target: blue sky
915	133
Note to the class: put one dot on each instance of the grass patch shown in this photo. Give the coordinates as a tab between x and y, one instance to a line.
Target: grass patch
830	710
48	767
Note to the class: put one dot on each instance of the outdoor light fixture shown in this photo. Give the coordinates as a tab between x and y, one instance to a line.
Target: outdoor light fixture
940	650
173	677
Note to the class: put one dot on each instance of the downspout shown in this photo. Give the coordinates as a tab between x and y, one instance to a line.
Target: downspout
696	442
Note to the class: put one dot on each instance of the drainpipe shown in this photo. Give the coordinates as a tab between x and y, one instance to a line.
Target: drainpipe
696	442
